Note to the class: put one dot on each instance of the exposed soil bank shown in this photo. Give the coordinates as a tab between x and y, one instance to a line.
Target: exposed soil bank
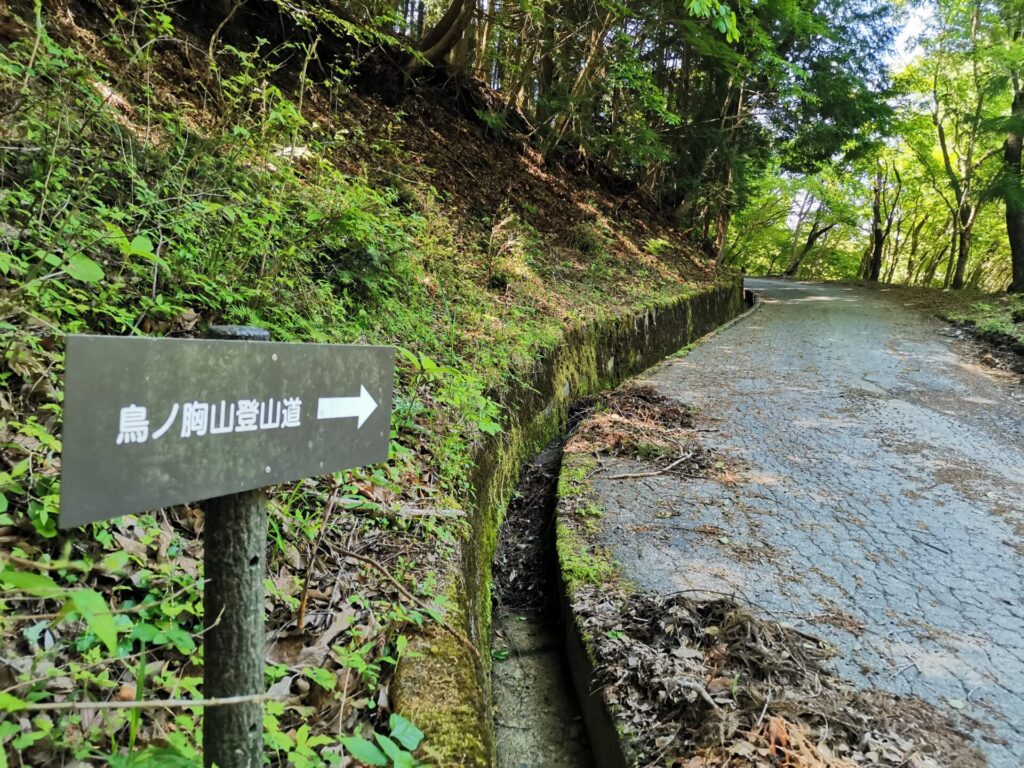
443	686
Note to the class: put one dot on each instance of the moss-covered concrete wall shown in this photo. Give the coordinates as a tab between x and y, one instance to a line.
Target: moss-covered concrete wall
443	686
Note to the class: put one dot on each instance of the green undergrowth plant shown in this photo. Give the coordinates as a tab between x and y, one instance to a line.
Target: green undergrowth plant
124	218
395	748
999	315
1005	317
459	394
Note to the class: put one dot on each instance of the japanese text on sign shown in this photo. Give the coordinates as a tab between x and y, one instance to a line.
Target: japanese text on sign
201	418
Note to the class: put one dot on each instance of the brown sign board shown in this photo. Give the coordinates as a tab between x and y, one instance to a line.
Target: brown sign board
153	422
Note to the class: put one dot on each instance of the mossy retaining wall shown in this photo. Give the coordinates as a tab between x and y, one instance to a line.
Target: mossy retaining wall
441	685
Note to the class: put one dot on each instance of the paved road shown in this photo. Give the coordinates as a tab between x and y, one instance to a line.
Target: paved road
878	499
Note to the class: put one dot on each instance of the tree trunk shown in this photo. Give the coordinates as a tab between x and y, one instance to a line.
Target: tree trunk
442	38
933	266
724	214
915	243
801	217
1013	195
954	239
546	70
877	235
816	233
592	60
483	36
963	251
722	231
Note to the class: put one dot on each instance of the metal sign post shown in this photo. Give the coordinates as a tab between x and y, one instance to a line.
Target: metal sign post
154	422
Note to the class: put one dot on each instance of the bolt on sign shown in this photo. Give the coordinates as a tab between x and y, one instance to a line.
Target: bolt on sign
154	422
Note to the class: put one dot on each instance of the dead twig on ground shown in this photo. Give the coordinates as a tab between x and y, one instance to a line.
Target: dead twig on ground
411	597
79	706
662	471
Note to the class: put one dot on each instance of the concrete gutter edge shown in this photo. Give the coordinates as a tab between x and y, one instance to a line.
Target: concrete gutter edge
610	747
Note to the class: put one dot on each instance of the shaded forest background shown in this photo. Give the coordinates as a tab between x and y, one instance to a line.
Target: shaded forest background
830	139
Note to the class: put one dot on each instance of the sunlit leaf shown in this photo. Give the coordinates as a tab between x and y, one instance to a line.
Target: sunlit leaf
96	614
81	267
142	246
322	677
405	733
363	751
9	703
35	584
399	756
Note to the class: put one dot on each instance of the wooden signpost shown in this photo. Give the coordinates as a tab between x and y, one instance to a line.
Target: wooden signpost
154	422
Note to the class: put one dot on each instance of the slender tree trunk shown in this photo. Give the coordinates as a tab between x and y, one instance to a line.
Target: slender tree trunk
483	36
816	233
954	240
933	266
877	234
546	70
722	231
592	60
963	245
978	272
1013	194
801	217
865	263
421	15
915	243
724	213
895	247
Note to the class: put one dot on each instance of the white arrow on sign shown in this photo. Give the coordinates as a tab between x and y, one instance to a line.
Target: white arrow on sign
347	407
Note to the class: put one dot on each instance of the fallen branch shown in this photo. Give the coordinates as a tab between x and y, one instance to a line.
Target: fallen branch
420	512
411	597
216	33
669	468
78	706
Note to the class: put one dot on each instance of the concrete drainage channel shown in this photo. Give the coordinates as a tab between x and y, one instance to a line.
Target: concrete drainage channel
537	718
541	679
440	684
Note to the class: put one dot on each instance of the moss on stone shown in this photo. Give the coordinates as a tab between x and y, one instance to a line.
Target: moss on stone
572	480
458	726
579	561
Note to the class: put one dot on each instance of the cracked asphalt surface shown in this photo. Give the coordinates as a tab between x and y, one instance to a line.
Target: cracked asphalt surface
872	493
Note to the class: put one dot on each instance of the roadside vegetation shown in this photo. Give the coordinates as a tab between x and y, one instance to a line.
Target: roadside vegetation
995	319
934	198
150	190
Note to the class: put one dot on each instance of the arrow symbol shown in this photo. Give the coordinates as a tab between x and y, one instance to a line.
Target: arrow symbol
347	407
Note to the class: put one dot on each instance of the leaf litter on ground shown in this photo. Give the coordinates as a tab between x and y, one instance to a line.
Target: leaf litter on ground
705	683
639	422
